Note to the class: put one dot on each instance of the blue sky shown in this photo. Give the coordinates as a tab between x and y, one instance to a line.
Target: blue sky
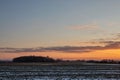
64	29
36	23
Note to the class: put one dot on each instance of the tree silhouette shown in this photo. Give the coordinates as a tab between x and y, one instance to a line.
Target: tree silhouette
33	59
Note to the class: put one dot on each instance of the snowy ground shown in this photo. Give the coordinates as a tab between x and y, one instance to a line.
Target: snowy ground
59	71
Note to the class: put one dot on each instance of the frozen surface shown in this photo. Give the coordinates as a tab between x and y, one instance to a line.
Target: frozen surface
59	71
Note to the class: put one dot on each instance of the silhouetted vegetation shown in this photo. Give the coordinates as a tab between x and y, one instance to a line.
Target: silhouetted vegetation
48	59
2	61
33	59
105	61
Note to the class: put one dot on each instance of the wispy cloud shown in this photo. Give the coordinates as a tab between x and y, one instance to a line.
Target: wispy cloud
92	26
47	49
77	49
112	24
113	43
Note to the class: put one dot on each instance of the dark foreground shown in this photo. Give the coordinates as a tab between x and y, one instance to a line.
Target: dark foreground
59	71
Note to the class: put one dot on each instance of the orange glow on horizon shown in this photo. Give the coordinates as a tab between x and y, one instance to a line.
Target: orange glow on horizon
95	55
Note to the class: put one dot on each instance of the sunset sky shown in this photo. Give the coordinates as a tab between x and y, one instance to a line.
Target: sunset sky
64	29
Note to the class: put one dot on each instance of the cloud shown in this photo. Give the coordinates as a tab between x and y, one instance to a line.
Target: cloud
117	36
112	24
92	26
113	45
68	49
100	44
47	49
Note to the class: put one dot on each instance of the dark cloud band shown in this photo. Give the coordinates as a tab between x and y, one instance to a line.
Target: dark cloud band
78	49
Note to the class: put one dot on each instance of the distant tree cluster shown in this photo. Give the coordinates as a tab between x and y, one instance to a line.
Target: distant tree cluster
104	61
33	59
48	59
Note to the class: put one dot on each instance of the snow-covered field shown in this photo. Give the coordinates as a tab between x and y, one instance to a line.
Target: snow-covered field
59	71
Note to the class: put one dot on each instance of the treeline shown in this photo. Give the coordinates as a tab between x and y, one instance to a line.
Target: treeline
105	61
2	61
34	59
48	59
100	61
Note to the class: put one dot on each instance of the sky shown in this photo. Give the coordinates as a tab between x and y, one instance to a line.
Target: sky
64	29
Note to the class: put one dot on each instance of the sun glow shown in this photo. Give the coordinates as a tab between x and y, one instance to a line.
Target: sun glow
94	55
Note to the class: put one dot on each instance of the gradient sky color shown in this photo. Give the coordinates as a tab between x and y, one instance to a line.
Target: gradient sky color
60	28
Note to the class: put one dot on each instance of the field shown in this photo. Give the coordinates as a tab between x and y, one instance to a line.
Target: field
59	71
